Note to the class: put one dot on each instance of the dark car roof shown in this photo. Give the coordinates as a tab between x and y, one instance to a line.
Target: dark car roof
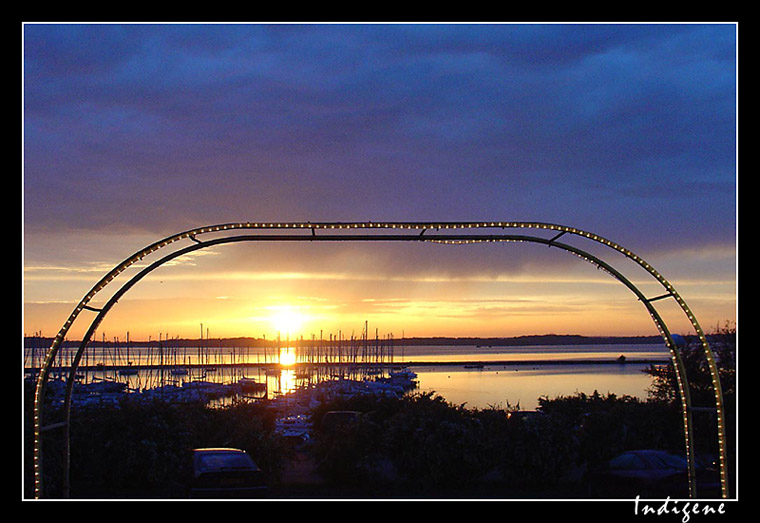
209	459
217	449
651	459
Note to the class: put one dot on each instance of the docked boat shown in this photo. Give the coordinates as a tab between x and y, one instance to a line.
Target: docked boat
208	389
102	386
295	428
404	373
251	385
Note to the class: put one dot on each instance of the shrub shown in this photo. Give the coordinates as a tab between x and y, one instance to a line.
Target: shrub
143	449
540	452
425	440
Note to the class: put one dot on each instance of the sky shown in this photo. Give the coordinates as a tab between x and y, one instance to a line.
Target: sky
133	132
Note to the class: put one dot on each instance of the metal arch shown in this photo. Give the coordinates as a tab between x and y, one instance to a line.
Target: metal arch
684	394
683	385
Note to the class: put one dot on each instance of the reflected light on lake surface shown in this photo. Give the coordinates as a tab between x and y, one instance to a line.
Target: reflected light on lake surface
287	356
502	386
285	381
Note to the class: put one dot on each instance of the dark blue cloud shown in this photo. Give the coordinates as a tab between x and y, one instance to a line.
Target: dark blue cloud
629	126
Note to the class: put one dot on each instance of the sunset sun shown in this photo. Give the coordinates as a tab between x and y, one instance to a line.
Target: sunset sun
287	320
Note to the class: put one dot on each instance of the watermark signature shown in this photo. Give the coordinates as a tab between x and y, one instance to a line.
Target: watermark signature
685	509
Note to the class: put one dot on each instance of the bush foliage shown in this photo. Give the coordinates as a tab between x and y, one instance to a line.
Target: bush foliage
423	441
419	441
144	449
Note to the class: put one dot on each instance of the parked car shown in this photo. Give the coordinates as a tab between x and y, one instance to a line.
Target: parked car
650	474
225	473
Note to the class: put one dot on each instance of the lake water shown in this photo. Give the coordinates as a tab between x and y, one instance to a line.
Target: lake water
505	375
524	383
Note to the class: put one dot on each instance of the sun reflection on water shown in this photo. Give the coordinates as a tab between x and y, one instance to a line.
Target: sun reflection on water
287	356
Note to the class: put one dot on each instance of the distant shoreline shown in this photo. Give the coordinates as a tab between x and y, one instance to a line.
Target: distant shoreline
516	341
537	339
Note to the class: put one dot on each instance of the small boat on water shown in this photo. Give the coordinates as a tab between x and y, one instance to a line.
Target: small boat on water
398	380
251	385
102	386
403	372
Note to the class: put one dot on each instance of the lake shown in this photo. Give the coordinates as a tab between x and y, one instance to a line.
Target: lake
478	377
531	372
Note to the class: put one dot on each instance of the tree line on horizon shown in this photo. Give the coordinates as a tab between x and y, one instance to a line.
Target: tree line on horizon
481	341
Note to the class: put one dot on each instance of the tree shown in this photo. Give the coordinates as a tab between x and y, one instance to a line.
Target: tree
723	346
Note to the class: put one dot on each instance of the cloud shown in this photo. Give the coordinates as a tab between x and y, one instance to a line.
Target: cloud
623	129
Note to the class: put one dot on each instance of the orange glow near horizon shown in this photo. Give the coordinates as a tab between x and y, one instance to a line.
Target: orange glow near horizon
423	297
476	317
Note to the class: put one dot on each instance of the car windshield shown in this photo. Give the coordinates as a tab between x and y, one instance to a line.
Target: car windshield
627	462
223	461
668	461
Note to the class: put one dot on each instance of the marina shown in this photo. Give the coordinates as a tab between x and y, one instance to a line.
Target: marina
219	372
